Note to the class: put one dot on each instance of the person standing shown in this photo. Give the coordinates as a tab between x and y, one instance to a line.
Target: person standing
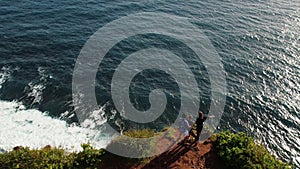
199	124
184	128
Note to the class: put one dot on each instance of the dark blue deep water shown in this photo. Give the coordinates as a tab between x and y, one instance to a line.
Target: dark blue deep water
258	42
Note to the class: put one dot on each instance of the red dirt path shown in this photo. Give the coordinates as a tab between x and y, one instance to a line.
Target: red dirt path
193	156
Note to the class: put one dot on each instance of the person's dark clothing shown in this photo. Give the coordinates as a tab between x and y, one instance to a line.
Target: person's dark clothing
199	126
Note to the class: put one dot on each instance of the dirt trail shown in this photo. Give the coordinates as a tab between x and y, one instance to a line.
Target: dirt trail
192	156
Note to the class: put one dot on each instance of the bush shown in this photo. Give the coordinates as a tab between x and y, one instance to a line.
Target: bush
89	157
25	158
54	158
241	152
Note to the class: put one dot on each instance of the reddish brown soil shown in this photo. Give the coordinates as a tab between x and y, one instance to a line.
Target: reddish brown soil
201	156
192	156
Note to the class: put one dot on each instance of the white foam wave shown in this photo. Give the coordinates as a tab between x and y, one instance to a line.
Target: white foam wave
35	89
5	74
35	129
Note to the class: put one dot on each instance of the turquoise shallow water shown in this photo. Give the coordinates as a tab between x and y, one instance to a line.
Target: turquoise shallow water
257	41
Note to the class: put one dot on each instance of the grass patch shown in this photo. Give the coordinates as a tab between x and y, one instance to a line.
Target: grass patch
133	147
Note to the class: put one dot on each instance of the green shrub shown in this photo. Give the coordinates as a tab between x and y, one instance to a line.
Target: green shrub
89	157
241	152
25	158
53	158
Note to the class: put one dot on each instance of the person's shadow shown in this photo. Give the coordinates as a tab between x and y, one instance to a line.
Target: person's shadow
165	159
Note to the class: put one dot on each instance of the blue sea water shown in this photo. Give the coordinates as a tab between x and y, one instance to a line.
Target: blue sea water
258	42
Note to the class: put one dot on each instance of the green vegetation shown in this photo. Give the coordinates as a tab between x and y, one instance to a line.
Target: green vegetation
241	152
87	158
237	151
130	147
53	158
145	133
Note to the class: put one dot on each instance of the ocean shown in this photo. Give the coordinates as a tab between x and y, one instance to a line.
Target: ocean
258	43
